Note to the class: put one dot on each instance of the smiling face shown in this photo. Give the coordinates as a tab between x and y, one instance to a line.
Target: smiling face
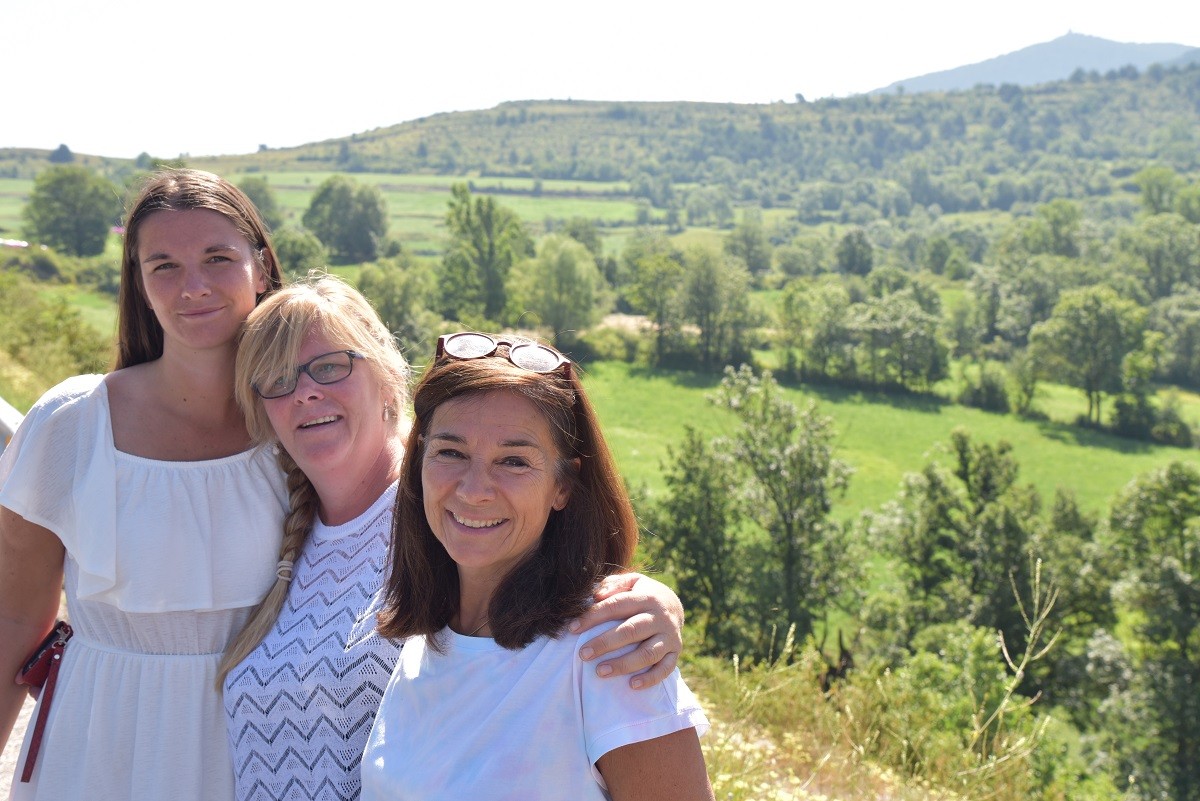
491	477
336	432
199	276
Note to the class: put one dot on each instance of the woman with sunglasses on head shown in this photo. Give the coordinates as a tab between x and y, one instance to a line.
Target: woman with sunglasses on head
509	511
319	375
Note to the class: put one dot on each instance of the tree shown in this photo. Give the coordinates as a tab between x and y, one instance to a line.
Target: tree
694	534
817	320
263	197
961	536
486	240
1085	340
899	339
854	254
716	300
1159	185
349	218
788	454
299	251
563	287
1166	251
61	155
748	242
655	269
71	209
402	292
1153	532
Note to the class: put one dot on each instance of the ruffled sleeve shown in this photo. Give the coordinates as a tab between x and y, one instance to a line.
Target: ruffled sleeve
56	461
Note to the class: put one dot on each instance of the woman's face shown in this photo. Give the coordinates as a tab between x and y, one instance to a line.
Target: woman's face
199	276
490	472
333	431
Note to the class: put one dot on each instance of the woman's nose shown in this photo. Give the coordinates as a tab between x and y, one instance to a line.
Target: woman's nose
307	389
195	285
475	485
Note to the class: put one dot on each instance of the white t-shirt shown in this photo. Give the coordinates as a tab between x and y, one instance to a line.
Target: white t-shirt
484	722
300	705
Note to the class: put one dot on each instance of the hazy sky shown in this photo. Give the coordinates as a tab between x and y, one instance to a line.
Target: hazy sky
119	77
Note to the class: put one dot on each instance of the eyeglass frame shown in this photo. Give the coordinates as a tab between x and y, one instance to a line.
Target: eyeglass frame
563	362
303	369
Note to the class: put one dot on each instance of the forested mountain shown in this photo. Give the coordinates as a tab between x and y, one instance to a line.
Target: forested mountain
1044	62
987	147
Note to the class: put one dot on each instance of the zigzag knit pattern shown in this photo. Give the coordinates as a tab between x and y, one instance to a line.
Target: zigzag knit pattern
300	706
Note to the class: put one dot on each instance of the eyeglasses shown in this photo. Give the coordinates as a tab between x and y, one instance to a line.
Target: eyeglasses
328	368
532	356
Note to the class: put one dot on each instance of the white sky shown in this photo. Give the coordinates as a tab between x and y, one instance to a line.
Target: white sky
119	77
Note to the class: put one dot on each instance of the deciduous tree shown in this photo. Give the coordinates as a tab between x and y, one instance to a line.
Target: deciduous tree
71	209
486	240
350	218
1085	340
563	286
788	454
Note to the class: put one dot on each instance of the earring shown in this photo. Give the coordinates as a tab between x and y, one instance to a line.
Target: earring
387	411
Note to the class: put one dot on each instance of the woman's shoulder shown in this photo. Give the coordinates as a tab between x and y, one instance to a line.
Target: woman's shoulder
65	401
68	391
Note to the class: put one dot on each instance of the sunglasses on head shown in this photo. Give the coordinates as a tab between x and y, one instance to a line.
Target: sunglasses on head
532	356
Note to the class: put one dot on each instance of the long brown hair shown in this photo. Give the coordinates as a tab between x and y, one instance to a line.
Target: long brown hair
139	336
594	535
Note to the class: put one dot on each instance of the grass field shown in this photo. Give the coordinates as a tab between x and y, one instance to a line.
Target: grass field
13	192
882	437
417	203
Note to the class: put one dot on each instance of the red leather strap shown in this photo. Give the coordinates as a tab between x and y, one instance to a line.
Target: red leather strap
43	711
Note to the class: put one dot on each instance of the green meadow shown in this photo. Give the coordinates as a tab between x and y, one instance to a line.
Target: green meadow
881	436
13	192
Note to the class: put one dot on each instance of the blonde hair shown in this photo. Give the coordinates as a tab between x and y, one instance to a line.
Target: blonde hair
270	344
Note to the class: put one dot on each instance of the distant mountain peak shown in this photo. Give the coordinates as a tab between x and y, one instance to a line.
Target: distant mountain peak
1047	61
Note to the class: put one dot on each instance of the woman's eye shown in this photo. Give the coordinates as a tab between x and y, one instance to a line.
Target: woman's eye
514	461
323	370
448	453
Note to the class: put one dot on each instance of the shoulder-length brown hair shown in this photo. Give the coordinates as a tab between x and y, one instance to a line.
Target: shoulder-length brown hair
593	536
139	336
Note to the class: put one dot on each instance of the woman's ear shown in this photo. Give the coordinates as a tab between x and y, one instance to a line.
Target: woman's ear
564	486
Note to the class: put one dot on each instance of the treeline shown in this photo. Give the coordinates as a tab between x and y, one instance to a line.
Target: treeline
1110	306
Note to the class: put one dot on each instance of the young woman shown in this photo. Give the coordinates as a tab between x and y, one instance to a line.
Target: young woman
510	509
143	490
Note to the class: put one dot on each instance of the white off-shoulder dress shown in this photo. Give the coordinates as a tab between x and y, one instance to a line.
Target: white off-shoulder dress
164	562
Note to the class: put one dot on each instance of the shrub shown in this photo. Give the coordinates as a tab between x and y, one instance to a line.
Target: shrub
986	390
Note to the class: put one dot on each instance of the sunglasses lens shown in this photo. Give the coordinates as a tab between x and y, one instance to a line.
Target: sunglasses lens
535	358
469	346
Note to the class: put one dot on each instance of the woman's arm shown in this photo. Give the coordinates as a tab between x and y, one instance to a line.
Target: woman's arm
31	576
652	619
663	769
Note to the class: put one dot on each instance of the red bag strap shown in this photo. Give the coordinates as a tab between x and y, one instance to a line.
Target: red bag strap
39	726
